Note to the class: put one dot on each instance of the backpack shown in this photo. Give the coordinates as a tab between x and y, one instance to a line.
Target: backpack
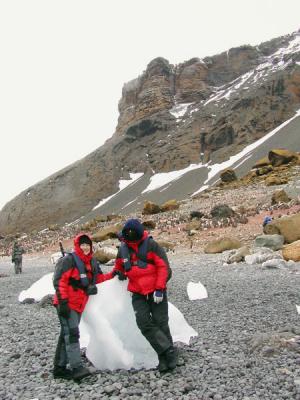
142	256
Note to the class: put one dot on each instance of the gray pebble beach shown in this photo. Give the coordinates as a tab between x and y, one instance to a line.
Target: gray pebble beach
248	346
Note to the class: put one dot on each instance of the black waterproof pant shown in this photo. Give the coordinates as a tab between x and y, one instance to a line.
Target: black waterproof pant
153	321
68	348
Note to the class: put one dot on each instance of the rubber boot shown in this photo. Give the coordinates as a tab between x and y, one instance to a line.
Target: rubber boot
80	373
162	365
62	373
171	357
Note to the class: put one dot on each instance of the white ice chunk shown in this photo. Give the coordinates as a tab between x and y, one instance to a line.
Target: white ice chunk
196	291
39	289
108	327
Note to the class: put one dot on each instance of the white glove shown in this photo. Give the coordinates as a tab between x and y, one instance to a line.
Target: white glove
158	296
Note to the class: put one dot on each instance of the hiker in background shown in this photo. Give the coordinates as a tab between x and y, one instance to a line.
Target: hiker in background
145	264
267	220
17	257
75	278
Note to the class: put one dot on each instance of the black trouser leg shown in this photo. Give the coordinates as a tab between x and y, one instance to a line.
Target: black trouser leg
152	319
68	349
160	316
60	359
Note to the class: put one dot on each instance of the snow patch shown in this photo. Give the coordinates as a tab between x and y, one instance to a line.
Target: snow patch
163	178
123	183
179	110
196	291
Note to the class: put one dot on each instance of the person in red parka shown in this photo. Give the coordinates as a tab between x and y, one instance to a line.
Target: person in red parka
145	264
74	280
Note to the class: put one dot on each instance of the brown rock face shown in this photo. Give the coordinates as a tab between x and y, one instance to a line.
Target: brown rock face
171	116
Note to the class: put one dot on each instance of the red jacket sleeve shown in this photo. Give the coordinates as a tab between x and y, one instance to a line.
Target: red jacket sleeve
162	272
110	275
104	277
61	278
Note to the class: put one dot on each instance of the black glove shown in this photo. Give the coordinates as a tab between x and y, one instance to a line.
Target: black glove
91	290
120	275
64	309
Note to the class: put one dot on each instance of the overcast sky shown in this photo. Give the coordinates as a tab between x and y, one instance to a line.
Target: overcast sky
64	62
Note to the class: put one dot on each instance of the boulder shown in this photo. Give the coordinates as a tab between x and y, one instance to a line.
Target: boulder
274	242
101	218
238	255
109	232
292	251
262	163
222	244
280	196
228	175
88	226
264	170
274	263
170	205
275	180
149	224
150	208
261	257
193	225
105	254
46	301
53	227
279	157
112	217
196	214
30	300
288	227
222	211
166	245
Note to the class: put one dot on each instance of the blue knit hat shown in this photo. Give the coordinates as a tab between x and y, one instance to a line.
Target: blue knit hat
133	230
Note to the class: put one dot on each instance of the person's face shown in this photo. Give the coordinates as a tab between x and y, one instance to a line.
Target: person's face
86	248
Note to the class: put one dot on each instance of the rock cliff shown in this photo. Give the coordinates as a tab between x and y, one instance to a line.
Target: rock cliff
169	117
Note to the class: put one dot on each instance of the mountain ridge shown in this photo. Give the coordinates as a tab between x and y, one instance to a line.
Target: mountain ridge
170	117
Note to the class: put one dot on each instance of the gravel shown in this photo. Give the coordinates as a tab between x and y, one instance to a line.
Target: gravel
248	346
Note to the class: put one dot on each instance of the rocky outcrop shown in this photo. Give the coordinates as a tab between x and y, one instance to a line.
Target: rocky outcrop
228	175
171	116
288	227
279	157
222	244
280	196
274	242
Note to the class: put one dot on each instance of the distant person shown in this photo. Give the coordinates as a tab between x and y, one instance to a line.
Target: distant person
75	278
267	220
17	257
145	264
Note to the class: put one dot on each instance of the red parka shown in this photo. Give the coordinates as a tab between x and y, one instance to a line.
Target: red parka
66	272
154	276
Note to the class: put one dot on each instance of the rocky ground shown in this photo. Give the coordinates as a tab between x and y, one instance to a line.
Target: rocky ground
248	346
